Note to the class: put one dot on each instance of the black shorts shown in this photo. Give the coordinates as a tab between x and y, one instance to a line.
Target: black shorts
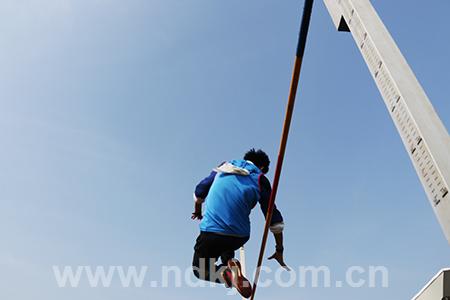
211	246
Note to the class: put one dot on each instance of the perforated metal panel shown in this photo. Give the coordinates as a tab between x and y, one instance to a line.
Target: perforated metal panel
420	128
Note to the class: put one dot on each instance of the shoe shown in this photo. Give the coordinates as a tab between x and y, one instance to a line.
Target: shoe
227	277
238	280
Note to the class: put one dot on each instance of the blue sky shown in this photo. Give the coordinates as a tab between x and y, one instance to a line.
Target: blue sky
111	111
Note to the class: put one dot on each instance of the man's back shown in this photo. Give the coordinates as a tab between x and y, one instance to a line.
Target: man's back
233	194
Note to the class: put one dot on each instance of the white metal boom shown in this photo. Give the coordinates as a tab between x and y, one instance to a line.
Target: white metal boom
422	132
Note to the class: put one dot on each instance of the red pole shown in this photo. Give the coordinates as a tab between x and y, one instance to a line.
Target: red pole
285	133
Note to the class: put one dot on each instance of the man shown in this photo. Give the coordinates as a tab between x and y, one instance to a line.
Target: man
231	191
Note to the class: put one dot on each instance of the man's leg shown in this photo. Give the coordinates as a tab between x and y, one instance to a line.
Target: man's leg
205	258
226	256
204	267
232	244
210	245
234	272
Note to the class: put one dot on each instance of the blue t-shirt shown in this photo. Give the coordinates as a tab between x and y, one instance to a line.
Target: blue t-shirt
231	192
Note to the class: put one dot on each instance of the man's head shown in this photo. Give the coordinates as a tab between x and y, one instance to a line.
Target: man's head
259	158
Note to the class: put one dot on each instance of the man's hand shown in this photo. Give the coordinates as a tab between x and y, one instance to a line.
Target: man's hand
278	256
197	215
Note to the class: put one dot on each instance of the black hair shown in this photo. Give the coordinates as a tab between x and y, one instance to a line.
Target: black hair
259	158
